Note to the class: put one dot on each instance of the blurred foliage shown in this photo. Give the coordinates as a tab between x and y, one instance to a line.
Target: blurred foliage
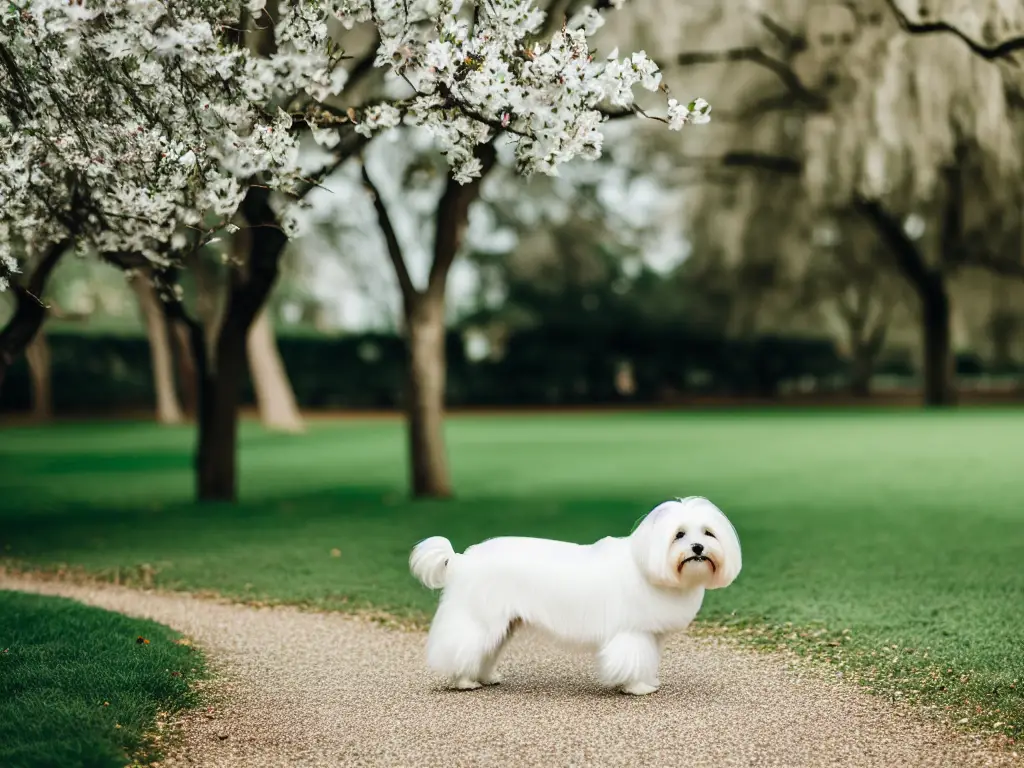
559	363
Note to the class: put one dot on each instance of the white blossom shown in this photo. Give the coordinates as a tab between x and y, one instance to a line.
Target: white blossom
697	112
123	126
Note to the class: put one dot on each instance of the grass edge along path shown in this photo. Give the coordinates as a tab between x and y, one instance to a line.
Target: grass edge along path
83	686
820	651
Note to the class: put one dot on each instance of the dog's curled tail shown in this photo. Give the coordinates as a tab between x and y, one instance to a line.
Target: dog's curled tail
429	561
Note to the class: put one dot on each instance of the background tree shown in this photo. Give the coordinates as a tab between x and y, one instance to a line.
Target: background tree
161	351
423	308
217	106
883	132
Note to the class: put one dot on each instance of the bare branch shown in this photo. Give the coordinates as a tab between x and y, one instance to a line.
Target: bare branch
1001	50
790	40
126	260
755	55
903	250
391	240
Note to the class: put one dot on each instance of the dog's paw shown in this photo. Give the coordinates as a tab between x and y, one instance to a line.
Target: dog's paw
492	679
639	689
465	684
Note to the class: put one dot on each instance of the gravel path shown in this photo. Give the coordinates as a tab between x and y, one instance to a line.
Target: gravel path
307	689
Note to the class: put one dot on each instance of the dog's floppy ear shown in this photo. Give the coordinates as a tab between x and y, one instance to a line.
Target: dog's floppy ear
726	534
650	543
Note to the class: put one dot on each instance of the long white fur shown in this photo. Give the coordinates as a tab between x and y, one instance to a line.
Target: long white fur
619	597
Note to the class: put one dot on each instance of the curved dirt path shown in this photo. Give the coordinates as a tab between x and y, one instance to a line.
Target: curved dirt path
308	689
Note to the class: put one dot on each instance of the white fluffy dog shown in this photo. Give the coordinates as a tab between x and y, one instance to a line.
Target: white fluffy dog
619	597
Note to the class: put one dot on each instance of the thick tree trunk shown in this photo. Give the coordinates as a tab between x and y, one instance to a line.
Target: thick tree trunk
930	285
425	340
936	317
217	448
37	353
274	395
29	311
168	408
221	382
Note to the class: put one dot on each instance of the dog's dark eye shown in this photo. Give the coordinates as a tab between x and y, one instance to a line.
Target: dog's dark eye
709	533
680	535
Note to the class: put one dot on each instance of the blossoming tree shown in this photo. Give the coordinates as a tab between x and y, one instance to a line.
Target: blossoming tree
143	131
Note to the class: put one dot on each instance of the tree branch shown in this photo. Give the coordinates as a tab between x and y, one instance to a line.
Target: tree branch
126	260
756	56
30	311
903	249
1001	50
452	216
42	271
247	295
391	240
791	41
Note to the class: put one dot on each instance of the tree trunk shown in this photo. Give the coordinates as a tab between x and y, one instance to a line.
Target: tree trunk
188	378
29	311
930	285
425	343
425	329
863	369
936	317
209	291
274	395
168	408
37	353
866	347
221	382
219	388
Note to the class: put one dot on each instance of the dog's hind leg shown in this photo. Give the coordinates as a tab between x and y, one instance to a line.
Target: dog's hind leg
488	672
460	648
629	661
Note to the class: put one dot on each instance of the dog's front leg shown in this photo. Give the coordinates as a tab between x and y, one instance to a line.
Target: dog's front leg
630	661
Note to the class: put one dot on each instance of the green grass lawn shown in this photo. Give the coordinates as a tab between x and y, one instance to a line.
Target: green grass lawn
891	542
78	689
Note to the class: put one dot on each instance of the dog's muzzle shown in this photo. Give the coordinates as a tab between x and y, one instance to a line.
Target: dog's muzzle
697	559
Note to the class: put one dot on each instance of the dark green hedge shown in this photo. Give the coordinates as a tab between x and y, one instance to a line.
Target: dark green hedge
550	365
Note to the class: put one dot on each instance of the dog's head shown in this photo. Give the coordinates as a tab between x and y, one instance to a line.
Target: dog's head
687	543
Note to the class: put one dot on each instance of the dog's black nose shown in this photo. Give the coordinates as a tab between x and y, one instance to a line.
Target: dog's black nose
697	548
